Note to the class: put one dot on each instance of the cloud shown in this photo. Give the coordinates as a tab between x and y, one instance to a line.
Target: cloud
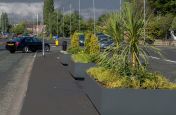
27	9
22	9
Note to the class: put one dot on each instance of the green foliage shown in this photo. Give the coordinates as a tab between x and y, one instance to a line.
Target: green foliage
113	27
173	26
133	24
48	9
19	29
87	42
74	50
94	45
75	40
82	57
109	79
159	26
163	6
4	21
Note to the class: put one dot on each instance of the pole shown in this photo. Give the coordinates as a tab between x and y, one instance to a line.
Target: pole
94	14
120	5
79	14
57	25
37	24
43	41
63	23
70	20
144	19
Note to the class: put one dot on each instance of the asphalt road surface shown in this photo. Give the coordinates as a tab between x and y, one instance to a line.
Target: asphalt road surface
164	63
12	73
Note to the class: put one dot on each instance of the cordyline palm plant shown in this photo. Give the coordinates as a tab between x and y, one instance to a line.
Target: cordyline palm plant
113	27
127	26
133	24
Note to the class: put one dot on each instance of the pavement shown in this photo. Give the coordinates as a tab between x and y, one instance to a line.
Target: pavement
53	91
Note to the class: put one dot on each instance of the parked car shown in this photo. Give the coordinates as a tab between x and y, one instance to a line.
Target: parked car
104	40
81	40
25	44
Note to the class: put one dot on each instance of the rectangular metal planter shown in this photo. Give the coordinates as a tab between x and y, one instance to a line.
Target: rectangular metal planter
78	70
65	58
130	101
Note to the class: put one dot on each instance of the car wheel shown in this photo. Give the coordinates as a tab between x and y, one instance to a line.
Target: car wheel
33	50
47	48
12	51
26	49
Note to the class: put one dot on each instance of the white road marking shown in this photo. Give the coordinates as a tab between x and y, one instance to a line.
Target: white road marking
58	58
167	60
154	57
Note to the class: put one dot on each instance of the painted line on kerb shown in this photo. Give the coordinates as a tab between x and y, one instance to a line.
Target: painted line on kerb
35	55
171	61
22	91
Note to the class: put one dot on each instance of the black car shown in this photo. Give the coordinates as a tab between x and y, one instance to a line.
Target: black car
26	44
81	40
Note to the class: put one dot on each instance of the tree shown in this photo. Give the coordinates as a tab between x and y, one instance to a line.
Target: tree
48	9
163	6
55	22
4	22
159	26
19	29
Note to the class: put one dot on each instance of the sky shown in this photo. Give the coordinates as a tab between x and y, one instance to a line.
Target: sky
28	9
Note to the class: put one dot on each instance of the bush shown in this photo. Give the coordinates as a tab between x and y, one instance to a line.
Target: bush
83	57
75	40
109	79
87	42
94	45
74	50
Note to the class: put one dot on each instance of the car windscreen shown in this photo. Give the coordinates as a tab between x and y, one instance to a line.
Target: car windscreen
82	37
36	40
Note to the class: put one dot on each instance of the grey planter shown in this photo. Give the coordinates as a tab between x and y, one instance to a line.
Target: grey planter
130	101
65	58
78	70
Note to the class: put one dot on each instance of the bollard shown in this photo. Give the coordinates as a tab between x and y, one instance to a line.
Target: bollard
57	42
64	45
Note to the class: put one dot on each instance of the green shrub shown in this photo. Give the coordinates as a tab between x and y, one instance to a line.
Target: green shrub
94	45
83	57
109	79
74	50
75	40
87	42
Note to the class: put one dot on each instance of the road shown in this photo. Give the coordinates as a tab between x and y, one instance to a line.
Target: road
13	68
165	63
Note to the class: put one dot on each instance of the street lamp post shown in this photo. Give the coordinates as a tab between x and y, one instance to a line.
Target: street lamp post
70	19
37	24
63	23
79	13
144	19
94	14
